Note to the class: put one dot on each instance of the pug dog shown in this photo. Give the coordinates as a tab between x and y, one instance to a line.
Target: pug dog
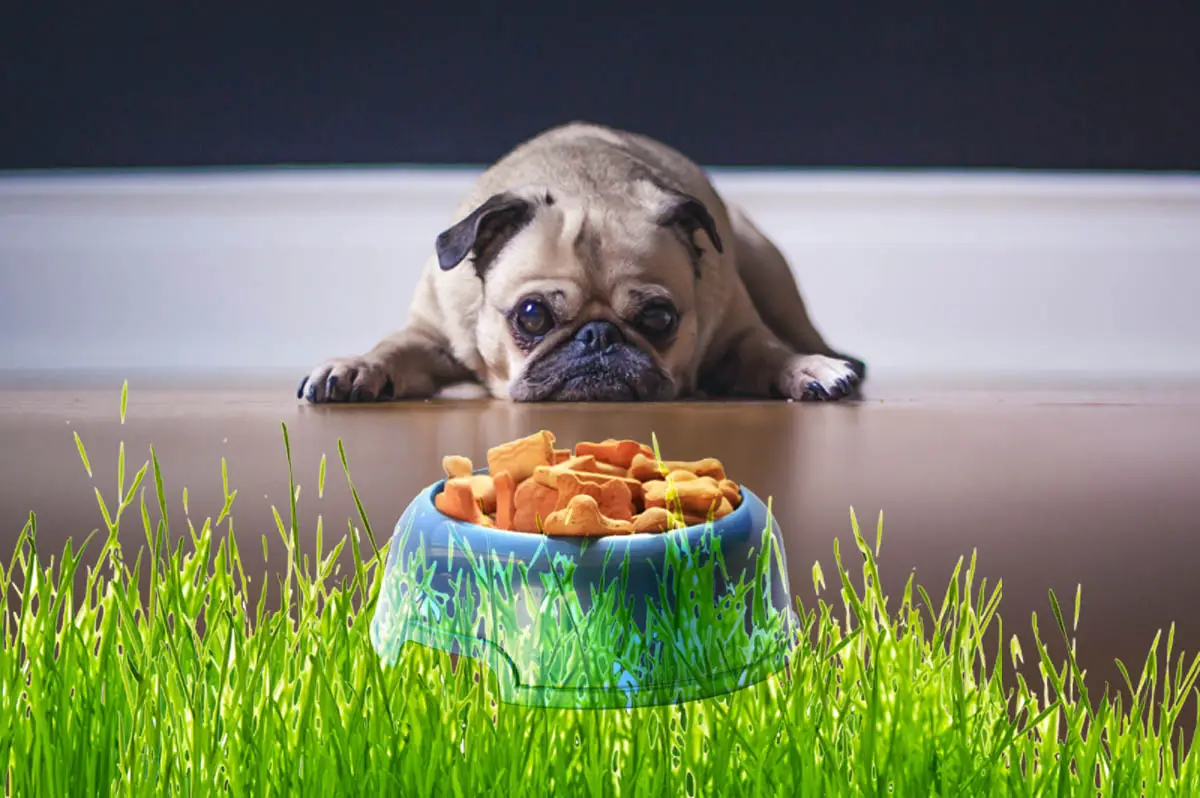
593	264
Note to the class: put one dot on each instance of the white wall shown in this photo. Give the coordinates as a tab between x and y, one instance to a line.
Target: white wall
278	269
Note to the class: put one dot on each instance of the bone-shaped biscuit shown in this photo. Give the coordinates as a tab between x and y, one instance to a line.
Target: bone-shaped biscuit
520	457
613	496
614	452
646	469
731	491
582	518
652	519
589	463
548	476
698	495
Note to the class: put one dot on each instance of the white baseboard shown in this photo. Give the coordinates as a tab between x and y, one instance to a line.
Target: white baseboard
942	272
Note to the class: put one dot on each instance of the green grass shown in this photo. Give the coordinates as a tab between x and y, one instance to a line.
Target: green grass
171	673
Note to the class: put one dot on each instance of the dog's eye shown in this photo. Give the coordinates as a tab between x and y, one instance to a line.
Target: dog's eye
657	319
534	317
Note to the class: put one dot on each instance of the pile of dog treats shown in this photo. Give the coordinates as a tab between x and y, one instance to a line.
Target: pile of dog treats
608	488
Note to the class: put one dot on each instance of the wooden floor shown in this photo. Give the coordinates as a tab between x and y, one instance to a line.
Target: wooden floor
1054	483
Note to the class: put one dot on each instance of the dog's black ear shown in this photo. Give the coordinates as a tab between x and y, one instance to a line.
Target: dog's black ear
484	230
688	214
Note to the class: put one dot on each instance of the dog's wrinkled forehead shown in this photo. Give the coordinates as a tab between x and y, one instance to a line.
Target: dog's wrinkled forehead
580	233
596	248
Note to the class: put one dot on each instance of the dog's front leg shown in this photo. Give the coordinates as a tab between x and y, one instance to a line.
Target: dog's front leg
755	363
414	362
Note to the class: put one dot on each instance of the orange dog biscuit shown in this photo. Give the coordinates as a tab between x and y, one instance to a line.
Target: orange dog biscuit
532	501
548	476
505	500
582	518
731	491
724	508
458	501
520	457
609	469
694	496
646	469
588	462
598	488
456	466
614	452
483	487
653	519
613	496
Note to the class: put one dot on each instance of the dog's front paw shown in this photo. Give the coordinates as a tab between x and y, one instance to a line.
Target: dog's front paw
818	378
347	379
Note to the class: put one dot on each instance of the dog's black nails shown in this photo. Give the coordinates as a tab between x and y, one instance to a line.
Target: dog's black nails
330	384
817	389
300	390
389	390
356	393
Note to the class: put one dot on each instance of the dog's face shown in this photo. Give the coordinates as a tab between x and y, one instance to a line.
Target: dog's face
586	300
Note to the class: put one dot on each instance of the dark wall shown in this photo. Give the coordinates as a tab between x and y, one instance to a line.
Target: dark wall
1071	85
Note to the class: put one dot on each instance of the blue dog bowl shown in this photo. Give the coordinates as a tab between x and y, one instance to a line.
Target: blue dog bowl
607	622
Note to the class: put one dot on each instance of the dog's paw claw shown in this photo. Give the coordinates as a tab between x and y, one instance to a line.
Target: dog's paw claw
344	380
819	378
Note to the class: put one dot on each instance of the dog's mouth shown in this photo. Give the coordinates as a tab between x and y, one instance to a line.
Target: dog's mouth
625	375
595	388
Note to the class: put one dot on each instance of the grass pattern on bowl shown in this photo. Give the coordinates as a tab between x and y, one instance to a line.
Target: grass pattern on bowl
558	631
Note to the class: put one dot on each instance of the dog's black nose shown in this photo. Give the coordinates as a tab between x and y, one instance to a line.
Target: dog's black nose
597	336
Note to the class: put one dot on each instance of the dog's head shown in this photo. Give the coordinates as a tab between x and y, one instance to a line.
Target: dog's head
586	299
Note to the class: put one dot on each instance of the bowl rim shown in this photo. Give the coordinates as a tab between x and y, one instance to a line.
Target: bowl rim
691	533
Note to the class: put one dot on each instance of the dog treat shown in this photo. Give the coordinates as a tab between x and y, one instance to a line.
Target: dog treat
653	519
482	485
613	496
609	469
548	476
645	468
695	495
458	501
614	452
582	517
505	500
731	491
483	488
532	503
610	487
520	457
456	466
